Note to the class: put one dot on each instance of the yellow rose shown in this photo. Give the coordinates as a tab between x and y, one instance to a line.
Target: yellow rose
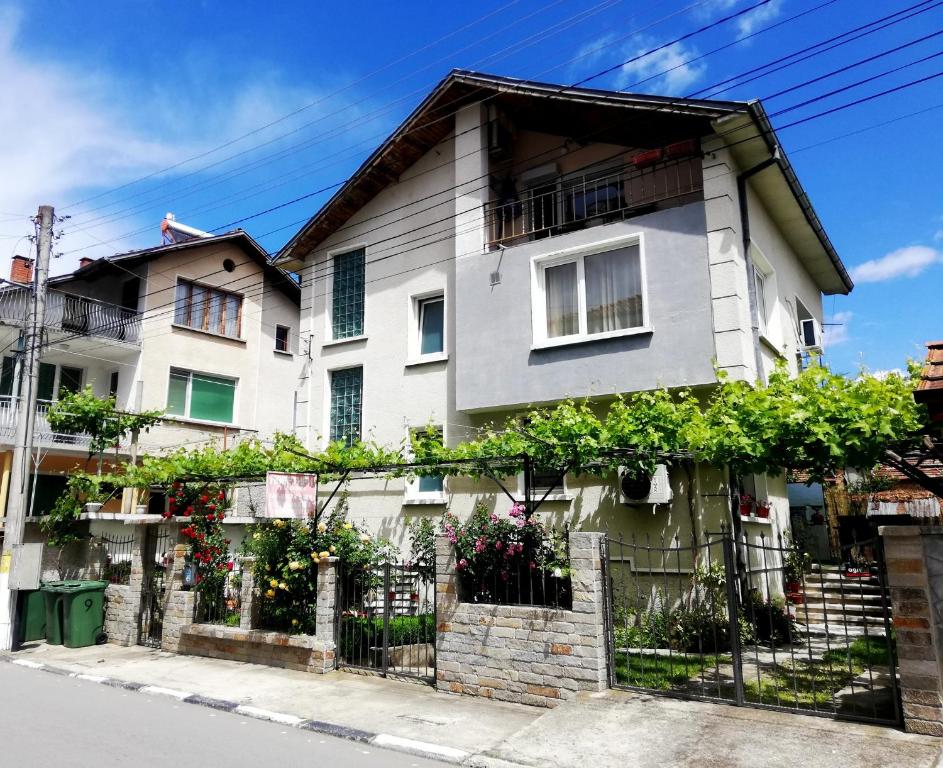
315	556
322	527
325	555
365	539
257	535
332	549
270	593
273	583
283	585
348	526
294	622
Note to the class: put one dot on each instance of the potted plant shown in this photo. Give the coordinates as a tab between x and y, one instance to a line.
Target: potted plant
746	505
88	489
762	509
796	564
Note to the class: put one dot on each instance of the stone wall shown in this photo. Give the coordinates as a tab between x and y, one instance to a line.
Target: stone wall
914	557
304	653
123	602
538	656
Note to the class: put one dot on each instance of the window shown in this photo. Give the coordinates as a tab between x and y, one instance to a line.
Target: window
424	487
759	282
113	384
346	405
431	313
347	294
56	380
282	335
589	294
200	396
545	482
208	309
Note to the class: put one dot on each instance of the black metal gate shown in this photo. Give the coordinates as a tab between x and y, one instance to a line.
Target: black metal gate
754	622
386	620
158	550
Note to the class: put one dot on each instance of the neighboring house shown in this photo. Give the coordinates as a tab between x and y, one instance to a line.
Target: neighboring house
516	243
204	328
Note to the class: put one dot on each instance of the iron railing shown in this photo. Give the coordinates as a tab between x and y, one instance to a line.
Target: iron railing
221	601
9	411
74	314
573	202
116	556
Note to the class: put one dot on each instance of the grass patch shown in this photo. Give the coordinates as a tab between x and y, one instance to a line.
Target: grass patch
813	684
661	672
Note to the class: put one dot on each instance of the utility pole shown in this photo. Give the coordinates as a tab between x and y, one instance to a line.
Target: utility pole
18	501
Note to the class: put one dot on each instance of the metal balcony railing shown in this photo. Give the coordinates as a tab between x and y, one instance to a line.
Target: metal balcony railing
576	201
74	314
45	435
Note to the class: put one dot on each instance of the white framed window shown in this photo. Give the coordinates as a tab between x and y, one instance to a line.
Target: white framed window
424	489
590	292
545	482
283	339
759	283
427	328
201	396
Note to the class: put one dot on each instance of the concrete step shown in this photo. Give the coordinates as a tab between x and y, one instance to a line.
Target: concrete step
836	622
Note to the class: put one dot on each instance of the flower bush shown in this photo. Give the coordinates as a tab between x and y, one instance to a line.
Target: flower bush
287	554
511	558
204	506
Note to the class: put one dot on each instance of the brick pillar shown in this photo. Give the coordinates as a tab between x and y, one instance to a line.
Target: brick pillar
589	596
326	618
179	605
249	607
914	557
126	616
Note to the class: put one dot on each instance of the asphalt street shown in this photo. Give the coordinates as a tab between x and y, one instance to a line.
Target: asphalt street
53	720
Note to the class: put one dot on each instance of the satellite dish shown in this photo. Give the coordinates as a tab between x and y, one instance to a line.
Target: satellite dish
635	485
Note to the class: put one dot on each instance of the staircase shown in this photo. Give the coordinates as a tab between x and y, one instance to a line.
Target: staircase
837	606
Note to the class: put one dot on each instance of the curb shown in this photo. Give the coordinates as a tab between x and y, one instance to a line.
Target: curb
383	740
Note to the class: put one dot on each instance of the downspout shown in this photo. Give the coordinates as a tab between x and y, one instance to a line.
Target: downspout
748	259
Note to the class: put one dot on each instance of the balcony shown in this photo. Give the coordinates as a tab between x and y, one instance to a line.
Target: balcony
566	203
44	434
73	314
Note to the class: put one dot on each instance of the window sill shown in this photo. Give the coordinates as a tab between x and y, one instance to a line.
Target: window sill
567	496
756	520
213	334
283	352
771	347
439	357
204	423
348	340
431	499
567	341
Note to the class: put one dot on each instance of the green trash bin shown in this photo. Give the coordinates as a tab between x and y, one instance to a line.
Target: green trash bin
83	612
31	621
52	597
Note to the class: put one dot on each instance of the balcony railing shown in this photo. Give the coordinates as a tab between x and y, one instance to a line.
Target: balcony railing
74	314
45	435
574	202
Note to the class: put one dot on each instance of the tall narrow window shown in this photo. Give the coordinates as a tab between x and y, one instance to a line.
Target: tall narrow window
346	409
431	325
200	396
281	338
562	300
613	290
347	294
759	280
113	384
208	309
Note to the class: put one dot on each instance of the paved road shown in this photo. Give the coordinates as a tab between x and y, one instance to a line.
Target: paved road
51	720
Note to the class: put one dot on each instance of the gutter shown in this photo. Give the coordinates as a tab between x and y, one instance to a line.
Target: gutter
742	180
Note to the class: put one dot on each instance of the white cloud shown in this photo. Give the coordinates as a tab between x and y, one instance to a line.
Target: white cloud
884	373
904	262
70	131
938	235
836	329
760	17
664	71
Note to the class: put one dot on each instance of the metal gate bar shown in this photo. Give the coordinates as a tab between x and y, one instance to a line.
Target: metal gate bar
386	620
157	545
717	620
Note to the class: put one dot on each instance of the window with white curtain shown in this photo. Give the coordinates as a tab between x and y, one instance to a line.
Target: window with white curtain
588	294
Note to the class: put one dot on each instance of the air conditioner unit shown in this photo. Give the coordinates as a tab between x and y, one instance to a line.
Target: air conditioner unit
645	488
811	334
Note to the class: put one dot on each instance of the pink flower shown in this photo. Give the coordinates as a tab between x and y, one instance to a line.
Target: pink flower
520	522
517	510
480	544
499	545
494	517
462	564
532	565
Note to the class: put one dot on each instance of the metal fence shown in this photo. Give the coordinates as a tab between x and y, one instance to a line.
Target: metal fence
219	601
116	558
518	585
754	622
386	620
158	553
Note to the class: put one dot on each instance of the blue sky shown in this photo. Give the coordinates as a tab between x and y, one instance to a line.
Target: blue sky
98	95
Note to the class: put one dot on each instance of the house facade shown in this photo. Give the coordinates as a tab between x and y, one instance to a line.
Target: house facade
514	244
205	329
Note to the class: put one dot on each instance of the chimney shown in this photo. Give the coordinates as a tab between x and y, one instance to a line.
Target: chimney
21	270
85	261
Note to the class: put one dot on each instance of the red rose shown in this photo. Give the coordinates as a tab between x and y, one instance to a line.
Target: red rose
188	511
211	517
204	498
221	496
229	565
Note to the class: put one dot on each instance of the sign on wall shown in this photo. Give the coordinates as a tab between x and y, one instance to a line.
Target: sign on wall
290	494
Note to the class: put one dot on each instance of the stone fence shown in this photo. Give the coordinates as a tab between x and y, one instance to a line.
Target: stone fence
524	654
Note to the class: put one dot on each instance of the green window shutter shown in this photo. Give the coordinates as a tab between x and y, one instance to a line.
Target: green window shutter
70	380
211	399
346	396
177	393
347	294
47	381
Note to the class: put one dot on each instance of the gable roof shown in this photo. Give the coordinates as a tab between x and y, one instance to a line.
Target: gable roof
278	277
930	387
545	104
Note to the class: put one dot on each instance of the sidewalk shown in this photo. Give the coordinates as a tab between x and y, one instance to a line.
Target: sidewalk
610	729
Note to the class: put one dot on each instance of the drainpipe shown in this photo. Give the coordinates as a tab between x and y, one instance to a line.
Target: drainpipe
748	259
